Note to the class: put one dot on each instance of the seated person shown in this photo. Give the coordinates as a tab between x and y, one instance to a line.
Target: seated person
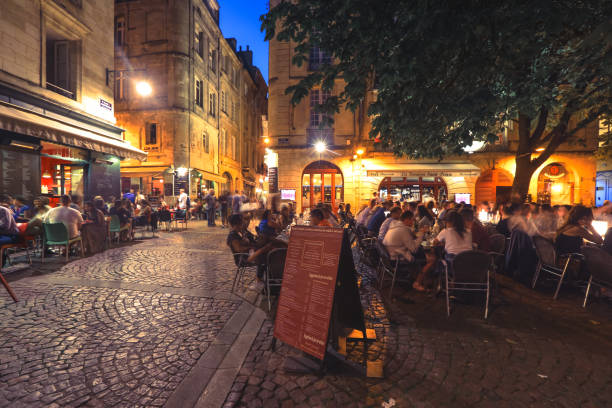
480	237
121	212
577	228
95	231
70	217
607	245
8	226
400	241
317	218
455	238
19	208
237	239
378	217
268	227
36	214
394	215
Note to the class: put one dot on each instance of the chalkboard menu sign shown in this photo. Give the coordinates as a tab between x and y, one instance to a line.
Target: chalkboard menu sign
181	182
104	179
19	173
273	179
309	290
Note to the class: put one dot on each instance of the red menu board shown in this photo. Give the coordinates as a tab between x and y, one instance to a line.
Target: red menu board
307	294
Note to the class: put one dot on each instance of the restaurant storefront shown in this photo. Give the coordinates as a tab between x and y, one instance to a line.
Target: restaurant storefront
47	153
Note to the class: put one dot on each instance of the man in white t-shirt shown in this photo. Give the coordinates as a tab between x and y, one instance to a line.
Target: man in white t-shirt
70	217
182	200
400	241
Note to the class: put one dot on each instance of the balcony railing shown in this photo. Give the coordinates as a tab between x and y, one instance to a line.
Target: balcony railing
59	90
325	135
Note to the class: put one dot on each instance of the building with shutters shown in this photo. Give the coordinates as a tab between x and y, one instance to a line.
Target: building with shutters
194	126
58	133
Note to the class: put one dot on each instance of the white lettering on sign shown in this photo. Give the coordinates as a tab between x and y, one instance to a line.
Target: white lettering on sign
423	173
106	105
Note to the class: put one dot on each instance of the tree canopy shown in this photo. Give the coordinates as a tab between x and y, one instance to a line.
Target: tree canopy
449	73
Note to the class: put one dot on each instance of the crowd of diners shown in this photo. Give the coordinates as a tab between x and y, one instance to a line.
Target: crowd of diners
421	233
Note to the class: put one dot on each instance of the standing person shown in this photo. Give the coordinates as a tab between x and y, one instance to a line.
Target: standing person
211	207
70	217
237	201
182	200
224	203
347	211
130	196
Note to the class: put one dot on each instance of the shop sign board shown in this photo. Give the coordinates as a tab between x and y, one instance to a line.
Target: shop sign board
319	277
423	173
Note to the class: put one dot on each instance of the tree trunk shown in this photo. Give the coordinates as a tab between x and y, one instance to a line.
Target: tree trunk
522	178
524	166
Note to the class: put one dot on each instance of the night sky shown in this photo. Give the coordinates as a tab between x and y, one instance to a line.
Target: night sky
240	19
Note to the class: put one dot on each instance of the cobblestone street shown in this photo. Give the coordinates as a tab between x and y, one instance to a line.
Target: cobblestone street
152	323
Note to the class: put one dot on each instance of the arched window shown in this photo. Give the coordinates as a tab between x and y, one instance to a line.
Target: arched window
322	182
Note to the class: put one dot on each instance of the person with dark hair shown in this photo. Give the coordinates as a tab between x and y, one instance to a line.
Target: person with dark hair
505	212
480	237
424	217
318	219
268	226
211	207
455	238
76	203
70	217
19	208
122	213
400	239
237	240
577	227
8	226
394	214
378	217
94	229
99	203
546	222
224	202
347	211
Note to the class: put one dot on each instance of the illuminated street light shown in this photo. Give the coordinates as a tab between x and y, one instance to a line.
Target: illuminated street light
540	149
360	151
320	147
144	88
181	171
267	140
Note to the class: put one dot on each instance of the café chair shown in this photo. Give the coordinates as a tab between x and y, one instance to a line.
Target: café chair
274	271
165	217
240	260
386	266
547	262
116	228
21	243
599	265
180	217
57	235
471	273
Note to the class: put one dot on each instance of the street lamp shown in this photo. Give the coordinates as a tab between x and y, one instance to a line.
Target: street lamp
320	146
144	88
360	151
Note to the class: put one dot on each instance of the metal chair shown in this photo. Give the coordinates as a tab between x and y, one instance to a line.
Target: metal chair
547	262
365	244
275	266
57	235
472	273
599	265
240	259
180	217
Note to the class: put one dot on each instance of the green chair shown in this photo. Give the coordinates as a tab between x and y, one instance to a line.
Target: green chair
57	235
115	227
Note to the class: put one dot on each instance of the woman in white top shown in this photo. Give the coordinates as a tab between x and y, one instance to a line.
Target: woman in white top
455	237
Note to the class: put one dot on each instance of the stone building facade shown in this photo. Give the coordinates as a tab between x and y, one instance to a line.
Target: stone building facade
57	125
350	167
191	125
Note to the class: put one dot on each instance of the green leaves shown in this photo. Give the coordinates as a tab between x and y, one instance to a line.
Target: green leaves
449	73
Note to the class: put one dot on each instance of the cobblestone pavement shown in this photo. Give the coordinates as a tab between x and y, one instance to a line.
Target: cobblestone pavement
532	351
71	341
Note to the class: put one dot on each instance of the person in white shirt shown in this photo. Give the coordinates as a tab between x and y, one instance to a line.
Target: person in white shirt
70	217
400	241
455	238
182	200
395	214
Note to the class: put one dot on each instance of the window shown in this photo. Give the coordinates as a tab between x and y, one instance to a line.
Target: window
198	43
212	60
120	31
234	148
318	57
199	93
205	143
317	98
61	57
151	137
212	104
222	142
121	89
223	102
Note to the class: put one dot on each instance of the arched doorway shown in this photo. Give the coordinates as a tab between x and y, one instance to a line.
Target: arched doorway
227	185
322	182
413	189
494	186
555	185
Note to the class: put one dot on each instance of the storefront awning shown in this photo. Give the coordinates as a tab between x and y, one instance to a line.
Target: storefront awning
426	170
18	120
211	176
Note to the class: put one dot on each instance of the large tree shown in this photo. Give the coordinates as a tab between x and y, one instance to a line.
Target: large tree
450	73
